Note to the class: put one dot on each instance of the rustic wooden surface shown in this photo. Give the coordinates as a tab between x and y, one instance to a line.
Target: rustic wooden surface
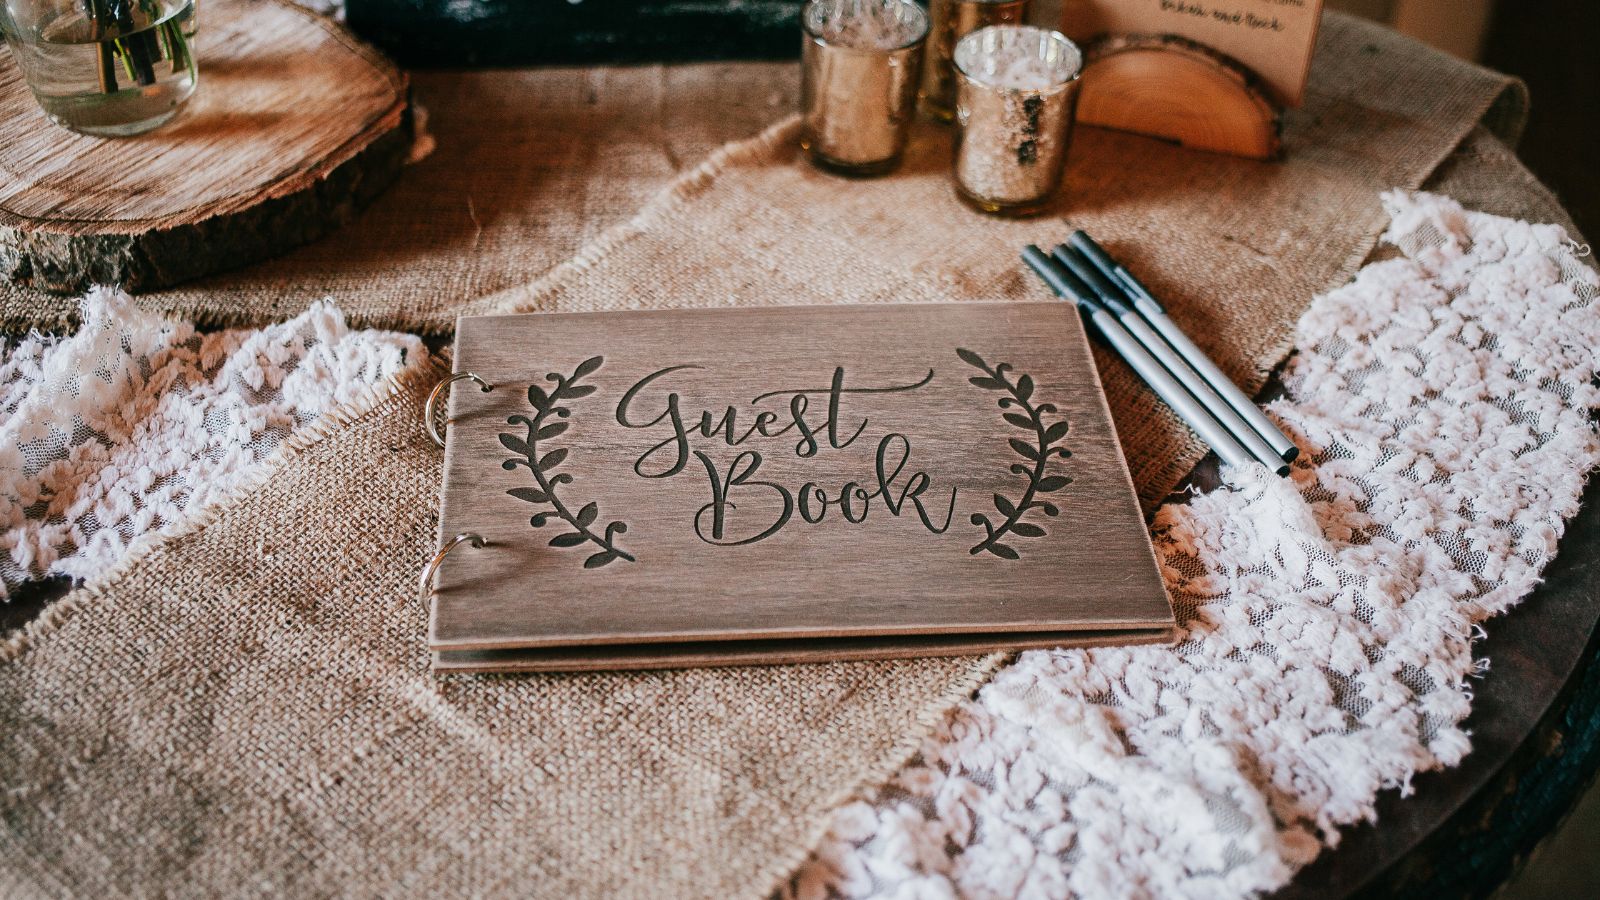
294	126
633	521
1178	90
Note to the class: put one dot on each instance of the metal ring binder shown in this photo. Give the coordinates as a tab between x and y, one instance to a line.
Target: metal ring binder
466	537
430	410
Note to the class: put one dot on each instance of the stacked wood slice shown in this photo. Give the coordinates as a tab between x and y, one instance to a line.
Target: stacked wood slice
295	125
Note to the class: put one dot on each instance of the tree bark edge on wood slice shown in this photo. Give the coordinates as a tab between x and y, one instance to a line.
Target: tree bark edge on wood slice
1174	88
295	126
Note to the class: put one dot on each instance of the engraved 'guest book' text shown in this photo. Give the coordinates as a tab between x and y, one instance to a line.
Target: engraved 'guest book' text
710	487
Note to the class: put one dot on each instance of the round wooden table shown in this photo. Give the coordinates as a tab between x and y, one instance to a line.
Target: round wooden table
1535	717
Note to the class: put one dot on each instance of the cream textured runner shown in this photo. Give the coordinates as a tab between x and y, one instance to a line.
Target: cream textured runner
130	428
1445	401
246	708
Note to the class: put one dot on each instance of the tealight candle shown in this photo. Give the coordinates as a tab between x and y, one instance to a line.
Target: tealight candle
859	64
1017	90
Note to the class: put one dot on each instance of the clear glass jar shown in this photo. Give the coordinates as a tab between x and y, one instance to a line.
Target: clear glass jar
104	67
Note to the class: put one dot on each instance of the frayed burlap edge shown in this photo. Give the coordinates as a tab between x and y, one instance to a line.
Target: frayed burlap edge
430	369
14	648
673	196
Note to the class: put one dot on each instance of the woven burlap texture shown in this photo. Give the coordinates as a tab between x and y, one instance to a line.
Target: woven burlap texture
528	166
256	715
247	708
1235	248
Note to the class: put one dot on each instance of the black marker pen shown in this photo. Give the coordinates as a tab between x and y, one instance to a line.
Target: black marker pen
1153	312
1070	287
1113	298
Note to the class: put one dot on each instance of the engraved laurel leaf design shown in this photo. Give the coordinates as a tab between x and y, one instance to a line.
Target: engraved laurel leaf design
1037	449
549	403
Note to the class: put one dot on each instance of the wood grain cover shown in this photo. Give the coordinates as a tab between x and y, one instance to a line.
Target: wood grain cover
877	480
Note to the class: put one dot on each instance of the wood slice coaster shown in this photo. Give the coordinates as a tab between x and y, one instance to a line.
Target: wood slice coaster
1173	88
295	125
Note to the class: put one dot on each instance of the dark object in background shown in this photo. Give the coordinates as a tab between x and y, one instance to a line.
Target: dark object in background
1550	45
448	33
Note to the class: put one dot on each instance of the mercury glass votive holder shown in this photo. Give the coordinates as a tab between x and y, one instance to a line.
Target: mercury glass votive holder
952	20
859	65
1016	93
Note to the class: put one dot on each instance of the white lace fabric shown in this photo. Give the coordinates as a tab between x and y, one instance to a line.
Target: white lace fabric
1444	401
127	429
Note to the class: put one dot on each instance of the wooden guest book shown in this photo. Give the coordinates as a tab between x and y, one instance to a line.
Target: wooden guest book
715	487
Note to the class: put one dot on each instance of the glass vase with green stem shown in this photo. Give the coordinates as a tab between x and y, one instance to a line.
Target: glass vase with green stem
106	67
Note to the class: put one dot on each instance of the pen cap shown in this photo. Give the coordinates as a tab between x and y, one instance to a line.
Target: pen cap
1117	272
1063	282
1104	288
1092	251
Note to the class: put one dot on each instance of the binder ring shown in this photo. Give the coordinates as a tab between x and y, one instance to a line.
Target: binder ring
429	410
466	537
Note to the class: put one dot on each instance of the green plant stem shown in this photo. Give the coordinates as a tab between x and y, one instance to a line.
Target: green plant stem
177	45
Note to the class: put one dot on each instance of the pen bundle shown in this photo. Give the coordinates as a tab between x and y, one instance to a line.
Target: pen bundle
1135	324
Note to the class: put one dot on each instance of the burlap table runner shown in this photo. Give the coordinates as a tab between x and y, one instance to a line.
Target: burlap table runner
249	711
246	709
528	166
1235	248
